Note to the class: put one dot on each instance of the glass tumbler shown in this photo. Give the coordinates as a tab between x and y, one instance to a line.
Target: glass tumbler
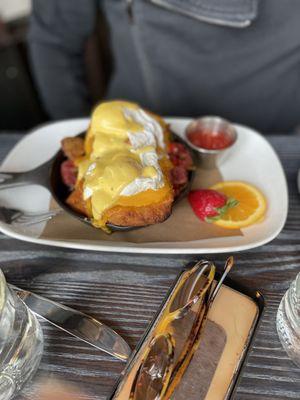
21	342
288	321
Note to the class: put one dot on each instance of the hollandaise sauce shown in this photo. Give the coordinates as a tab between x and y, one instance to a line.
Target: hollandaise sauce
126	157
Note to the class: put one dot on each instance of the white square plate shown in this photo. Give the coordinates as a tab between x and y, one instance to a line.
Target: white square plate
252	160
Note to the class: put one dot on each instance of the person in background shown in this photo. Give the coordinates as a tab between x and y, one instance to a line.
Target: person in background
238	59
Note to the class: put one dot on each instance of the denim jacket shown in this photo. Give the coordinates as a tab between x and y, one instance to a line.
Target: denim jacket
235	58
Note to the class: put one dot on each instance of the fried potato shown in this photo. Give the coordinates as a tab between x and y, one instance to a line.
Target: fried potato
73	147
76	202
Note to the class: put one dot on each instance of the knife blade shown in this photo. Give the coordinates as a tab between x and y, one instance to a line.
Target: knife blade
76	323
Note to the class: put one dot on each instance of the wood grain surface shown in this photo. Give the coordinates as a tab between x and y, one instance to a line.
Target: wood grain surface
125	291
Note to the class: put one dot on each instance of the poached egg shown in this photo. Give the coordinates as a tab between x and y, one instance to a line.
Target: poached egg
126	162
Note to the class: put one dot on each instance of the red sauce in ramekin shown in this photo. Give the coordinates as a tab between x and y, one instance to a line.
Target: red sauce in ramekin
209	140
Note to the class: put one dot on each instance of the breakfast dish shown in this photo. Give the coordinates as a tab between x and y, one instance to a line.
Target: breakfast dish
126	170
183	232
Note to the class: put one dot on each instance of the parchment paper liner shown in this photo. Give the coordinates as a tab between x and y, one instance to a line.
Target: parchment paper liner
181	226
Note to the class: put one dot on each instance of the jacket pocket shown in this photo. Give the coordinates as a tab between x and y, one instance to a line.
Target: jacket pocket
231	13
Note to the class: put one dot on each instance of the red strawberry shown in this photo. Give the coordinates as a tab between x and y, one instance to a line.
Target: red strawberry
209	205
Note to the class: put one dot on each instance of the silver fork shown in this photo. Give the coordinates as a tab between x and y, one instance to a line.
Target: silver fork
16	217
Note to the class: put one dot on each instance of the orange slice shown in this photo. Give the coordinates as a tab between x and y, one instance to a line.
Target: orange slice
251	204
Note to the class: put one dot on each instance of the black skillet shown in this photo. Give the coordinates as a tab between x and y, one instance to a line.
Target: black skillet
48	175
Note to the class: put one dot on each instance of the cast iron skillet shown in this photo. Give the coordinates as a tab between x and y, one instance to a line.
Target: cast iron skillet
48	175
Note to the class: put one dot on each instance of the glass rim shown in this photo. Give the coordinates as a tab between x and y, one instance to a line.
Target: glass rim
3	292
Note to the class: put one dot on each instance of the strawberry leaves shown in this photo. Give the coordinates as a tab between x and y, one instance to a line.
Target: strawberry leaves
222	210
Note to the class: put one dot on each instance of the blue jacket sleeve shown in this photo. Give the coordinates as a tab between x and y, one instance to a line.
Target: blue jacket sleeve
57	36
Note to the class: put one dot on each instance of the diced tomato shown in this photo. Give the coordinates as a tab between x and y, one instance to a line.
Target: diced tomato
179	175
180	155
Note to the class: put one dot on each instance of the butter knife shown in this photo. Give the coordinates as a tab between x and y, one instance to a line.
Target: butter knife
76	323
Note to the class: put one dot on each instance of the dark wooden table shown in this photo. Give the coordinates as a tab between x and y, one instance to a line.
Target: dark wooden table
125	291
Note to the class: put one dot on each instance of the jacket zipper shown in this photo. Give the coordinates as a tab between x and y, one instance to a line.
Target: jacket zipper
129	9
216	21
